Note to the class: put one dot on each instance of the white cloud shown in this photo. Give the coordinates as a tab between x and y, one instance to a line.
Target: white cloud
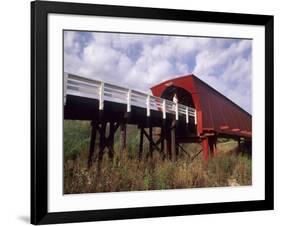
227	70
141	61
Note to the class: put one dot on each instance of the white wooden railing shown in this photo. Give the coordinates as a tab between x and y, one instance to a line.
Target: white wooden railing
101	91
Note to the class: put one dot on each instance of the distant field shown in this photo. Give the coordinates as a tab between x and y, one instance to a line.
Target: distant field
127	173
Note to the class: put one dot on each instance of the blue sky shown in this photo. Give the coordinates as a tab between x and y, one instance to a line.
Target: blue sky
141	61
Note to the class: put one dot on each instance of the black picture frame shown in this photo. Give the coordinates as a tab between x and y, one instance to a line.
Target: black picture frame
39	112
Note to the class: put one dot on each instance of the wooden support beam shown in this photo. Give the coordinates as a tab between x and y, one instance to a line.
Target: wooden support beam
182	149
150	141
173	141
210	147
162	140
215	149
168	150
205	147
162	149
107	141
141	143
211	143
177	150
92	143
110	140
101	130
154	144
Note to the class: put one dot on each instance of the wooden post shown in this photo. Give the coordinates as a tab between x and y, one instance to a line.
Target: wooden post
150	141
141	143
205	147
215	150
173	141
162	149
162	136
211	146
102	141
177	150
92	143
168	143
164	139
110	141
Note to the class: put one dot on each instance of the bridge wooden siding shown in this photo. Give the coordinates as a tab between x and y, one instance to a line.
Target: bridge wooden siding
217	115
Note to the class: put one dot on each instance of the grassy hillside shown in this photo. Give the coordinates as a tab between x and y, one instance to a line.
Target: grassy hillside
127	173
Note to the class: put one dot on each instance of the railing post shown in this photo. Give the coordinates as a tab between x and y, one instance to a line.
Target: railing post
195	117
164	108
129	100
148	106
177	111
65	86
101	96
186	114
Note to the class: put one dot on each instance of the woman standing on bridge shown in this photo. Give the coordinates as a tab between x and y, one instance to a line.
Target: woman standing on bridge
175	100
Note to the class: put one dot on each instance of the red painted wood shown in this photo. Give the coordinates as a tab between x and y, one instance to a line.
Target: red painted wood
205	147
214	110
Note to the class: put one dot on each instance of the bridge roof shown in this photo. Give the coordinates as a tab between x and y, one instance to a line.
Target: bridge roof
215	112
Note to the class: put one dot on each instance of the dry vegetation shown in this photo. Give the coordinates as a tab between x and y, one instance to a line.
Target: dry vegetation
127	173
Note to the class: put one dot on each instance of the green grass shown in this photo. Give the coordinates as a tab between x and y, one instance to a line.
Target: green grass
76	137
127	173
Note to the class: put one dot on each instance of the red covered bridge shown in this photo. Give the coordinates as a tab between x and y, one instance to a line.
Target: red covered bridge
217	116
201	114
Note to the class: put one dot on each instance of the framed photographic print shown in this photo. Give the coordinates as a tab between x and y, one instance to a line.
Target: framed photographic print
144	112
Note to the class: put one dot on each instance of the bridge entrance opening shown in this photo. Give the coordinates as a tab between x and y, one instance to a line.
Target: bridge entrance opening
184	97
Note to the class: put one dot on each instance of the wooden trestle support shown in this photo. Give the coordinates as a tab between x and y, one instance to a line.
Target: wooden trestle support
166	143
209	147
106	132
